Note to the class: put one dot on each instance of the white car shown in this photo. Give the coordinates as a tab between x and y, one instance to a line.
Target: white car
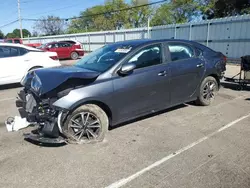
16	60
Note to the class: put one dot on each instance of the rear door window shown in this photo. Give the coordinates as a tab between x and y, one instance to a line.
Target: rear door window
8	51
180	51
22	51
65	45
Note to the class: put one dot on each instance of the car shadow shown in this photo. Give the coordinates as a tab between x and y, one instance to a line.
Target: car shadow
235	86
149	116
48	145
10	86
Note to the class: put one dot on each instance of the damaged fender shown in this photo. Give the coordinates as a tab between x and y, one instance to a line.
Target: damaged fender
85	94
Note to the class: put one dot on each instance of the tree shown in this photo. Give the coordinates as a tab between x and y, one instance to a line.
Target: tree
162	15
104	17
138	17
34	34
176	11
50	25
223	8
85	23
117	20
1	35
16	33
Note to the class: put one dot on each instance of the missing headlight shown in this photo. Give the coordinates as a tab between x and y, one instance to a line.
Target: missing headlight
36	84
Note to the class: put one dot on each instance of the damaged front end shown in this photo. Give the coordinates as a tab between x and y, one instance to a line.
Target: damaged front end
41	113
42	88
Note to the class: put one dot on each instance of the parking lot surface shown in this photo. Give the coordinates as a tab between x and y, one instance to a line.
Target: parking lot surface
186	146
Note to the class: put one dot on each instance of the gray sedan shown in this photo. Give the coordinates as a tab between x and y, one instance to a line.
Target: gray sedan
117	83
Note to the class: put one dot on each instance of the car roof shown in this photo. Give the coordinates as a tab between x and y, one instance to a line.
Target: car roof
19	45
11	44
57	42
148	41
142	42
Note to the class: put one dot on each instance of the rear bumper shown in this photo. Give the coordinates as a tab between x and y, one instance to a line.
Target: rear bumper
80	53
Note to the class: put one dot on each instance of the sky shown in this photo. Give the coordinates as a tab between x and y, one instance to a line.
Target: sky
39	8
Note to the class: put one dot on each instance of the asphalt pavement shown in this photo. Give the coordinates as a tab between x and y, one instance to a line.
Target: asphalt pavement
183	147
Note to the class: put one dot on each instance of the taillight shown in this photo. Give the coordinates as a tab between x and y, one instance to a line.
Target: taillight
225	58
77	46
54	57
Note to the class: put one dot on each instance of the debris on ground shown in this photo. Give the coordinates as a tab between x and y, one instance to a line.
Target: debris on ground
16	123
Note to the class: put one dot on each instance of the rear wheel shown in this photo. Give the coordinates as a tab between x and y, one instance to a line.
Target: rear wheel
87	124
74	55
208	90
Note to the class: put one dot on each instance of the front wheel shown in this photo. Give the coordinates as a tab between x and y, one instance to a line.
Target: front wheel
87	124
208	90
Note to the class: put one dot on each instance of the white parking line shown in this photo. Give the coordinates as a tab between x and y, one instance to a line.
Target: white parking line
7	99
125	181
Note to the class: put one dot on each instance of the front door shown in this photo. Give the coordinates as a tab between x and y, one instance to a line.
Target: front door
54	47
186	71
147	88
63	50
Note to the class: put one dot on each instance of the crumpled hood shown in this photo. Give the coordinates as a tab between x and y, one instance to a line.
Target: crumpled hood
41	81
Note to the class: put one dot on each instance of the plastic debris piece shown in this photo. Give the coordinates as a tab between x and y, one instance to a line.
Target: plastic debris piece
17	123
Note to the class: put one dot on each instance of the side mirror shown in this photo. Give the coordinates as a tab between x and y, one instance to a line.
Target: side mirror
127	69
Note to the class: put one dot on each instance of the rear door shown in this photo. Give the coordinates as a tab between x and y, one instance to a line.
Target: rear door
13	63
186	71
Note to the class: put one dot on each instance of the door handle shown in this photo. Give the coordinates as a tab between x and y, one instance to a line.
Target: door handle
163	73
27	60
200	65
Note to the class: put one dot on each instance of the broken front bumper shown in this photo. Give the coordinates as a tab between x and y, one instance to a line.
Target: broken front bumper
48	130
44	140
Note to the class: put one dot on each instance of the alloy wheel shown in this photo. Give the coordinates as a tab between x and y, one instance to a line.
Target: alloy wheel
74	55
85	126
209	91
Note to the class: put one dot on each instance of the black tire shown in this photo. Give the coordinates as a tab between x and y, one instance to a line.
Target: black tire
92	110
239	87
74	55
203	99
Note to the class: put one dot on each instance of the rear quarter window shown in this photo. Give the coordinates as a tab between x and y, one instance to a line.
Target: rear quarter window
180	51
199	52
204	48
23	51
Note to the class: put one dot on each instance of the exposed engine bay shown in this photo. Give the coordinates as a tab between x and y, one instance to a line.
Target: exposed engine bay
43	115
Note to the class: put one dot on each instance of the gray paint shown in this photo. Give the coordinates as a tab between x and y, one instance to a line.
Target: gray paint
146	89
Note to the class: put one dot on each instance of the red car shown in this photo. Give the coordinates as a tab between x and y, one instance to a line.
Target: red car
19	41
64	50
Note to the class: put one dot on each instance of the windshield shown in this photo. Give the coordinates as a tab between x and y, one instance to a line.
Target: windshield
104	58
